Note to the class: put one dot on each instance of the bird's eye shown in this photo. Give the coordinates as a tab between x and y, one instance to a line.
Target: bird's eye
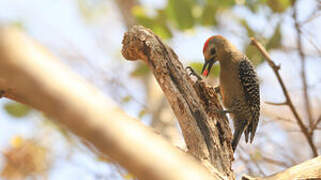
213	51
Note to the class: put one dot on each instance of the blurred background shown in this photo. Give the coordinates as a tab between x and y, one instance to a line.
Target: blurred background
86	35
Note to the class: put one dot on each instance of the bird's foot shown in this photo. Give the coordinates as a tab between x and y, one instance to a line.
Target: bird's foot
192	72
217	90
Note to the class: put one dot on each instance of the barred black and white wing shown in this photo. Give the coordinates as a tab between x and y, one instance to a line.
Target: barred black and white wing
251	90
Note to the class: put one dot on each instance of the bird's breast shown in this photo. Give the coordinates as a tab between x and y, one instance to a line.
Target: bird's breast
230	87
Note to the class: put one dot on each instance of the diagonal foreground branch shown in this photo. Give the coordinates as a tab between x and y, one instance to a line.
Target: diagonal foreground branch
207	134
310	169
288	101
31	75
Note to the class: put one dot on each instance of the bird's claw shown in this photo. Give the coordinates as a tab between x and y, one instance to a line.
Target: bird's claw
192	72
217	89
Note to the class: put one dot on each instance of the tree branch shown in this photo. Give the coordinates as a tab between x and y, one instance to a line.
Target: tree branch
310	169
35	77
316	123
276	68
306	98
277	104
207	134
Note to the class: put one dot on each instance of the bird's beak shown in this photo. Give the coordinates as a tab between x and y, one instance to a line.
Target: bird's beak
208	63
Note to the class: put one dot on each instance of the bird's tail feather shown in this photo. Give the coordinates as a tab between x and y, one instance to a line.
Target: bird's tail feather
236	137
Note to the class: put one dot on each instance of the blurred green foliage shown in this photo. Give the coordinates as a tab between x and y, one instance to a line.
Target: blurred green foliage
16	109
126	99
18	24
157	24
142	113
275	40
182	15
140	70
197	66
90	10
254	55
187	14
278	6
272	42
208	15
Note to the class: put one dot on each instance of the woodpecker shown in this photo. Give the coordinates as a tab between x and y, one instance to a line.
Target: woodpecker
239	86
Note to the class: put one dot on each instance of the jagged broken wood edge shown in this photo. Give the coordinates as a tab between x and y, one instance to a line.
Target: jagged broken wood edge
207	134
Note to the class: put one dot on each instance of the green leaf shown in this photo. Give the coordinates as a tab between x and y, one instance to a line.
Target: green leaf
278	6
16	109
140	70
275	40
180	12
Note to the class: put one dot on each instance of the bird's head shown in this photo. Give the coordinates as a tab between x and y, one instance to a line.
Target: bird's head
212	50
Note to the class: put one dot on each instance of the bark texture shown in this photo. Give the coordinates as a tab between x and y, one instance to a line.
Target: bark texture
206	133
